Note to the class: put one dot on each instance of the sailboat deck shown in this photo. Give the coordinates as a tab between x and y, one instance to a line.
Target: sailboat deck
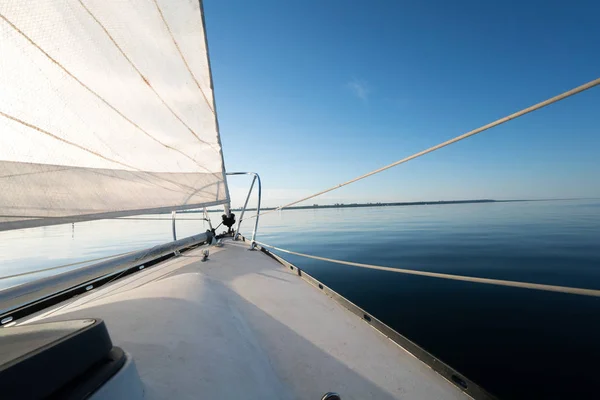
241	326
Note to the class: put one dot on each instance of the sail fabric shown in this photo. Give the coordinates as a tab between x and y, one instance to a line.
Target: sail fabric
106	109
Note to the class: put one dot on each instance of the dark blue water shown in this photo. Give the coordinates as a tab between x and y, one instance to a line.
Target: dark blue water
516	343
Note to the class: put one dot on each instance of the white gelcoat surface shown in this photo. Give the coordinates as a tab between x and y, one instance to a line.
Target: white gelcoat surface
242	326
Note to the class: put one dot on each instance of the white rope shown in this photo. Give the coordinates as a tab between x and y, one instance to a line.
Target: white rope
498	282
500	121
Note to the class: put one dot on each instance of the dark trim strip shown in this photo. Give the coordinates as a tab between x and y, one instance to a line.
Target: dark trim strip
19	301
449	373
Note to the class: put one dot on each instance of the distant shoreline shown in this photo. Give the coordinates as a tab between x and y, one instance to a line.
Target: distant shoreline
382	204
388	204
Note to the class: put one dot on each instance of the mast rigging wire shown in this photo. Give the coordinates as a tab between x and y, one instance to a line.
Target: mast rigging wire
500	121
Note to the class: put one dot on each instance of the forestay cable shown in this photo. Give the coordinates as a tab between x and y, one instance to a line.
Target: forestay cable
500	121
497	282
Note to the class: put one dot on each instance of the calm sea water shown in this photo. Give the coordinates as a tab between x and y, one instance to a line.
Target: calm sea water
516	343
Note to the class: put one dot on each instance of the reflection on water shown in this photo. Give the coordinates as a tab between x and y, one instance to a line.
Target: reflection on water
517	343
38	248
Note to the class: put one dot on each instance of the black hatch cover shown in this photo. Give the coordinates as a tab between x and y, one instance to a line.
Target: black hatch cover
36	360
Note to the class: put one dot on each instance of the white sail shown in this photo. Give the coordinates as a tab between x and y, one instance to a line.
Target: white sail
106	109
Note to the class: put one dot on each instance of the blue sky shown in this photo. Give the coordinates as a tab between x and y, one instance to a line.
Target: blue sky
313	93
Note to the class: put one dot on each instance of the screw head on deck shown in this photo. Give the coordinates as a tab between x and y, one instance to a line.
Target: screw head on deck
204	255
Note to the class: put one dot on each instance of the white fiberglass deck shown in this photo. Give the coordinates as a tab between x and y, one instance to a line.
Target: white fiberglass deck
240	326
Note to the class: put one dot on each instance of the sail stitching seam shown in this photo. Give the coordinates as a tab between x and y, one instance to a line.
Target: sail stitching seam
94	93
143	77
183	57
27	124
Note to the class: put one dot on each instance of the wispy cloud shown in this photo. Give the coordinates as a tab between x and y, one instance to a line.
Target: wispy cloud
359	88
